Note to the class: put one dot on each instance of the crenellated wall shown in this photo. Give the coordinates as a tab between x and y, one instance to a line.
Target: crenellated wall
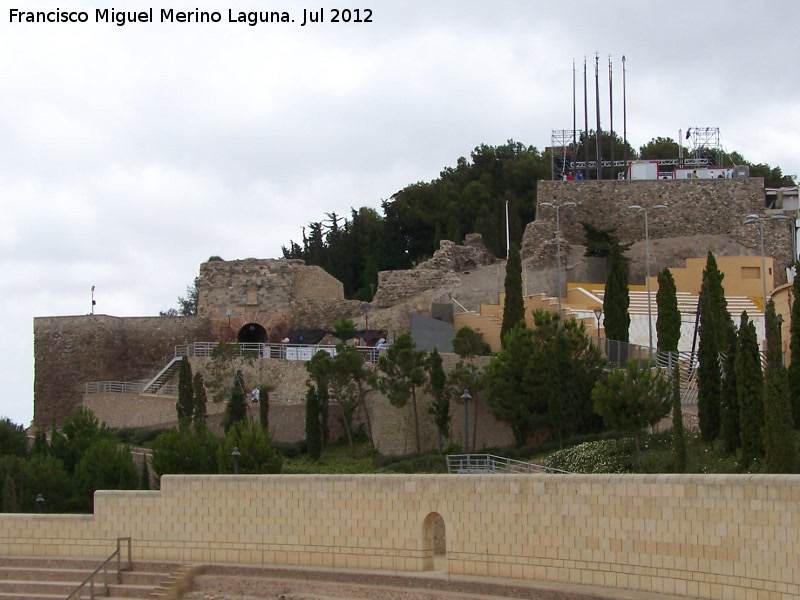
702	536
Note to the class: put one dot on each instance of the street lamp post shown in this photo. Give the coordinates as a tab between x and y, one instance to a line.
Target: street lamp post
236	454
646	210
466	397
754	219
557	208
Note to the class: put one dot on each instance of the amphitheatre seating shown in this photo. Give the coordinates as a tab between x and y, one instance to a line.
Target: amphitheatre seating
56	579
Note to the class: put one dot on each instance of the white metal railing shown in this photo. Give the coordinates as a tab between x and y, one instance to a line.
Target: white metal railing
298	352
489	463
126	387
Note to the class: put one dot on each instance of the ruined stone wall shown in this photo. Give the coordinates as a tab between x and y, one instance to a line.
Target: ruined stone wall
397	286
715	537
696	207
70	351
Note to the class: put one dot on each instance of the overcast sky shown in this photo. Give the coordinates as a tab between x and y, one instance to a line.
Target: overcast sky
129	155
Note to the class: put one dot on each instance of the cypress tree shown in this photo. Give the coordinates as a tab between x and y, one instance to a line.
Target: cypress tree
713	314
236	409
313	431
319	368
678	435
794	348
749	392
144	482
668	323
10	502
185	404
440	406
616	318
728	400
513	306
779	445
263	406
200	399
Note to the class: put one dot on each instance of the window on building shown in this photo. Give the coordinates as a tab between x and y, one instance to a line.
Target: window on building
751	272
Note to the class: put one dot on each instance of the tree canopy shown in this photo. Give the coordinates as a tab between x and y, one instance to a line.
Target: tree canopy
468	198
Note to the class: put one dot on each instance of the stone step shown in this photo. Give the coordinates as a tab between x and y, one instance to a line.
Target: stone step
62	589
46	578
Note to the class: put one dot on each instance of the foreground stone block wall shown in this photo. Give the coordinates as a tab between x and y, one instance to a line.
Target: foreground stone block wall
715	537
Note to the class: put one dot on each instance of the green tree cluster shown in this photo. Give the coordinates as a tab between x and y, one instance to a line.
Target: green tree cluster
82	457
470	197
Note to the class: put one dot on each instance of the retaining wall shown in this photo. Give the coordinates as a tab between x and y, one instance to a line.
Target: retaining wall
717	537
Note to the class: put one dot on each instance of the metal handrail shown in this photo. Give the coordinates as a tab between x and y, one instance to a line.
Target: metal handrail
299	352
489	463
76	593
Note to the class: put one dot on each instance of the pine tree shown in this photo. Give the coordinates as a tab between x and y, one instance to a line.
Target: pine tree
678	434
750	389
402	374
185	404
236	409
313	431
514	306
779	445
200	400
668	323
794	348
729	402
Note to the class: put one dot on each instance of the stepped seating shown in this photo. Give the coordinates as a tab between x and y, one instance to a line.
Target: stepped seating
687	303
56	579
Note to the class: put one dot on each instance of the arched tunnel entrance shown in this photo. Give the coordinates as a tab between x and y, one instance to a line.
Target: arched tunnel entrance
252	333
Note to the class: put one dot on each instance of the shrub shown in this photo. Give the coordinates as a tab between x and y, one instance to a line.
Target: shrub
606	456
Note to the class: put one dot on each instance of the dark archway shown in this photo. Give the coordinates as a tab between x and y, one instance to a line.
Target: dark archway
252	333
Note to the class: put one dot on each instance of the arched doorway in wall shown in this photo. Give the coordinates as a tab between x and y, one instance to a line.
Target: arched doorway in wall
252	333
434	543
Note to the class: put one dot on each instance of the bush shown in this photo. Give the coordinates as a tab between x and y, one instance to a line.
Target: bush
138	436
607	456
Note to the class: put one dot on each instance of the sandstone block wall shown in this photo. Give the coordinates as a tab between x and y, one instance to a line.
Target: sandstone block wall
69	351
713	537
696	207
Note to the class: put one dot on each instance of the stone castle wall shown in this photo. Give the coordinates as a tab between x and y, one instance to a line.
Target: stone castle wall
70	351
713	537
235	293
696	207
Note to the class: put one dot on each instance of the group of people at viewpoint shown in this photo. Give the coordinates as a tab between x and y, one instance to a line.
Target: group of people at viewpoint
571	176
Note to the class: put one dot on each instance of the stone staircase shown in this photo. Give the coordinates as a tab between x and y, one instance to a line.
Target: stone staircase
56	579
